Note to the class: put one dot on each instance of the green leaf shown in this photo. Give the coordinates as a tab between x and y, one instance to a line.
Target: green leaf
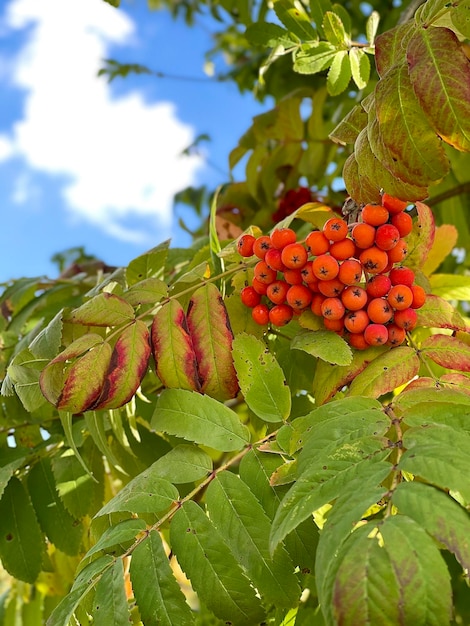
21	541
451	286
324	344
360	67
261	379
447	351
63	530
439	454
105	309
350	126
329	473
47	343
122	534
158	595
129	362
387	372
461	18
11	462
212	336
439	514
173	348
96	427
214	573
318	9
440	75
147	291
270	35
184	464
148	265
438	313
24	372
372	25
314	58
237	514
334	29
391	581
110	603
200	419
66	421
146	493
295	19
339	73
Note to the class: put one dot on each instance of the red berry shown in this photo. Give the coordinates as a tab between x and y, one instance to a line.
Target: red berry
387	236
250	297
280	315
378	286
260	314
376	334
402	276
393	205
245	245
281	237
261	246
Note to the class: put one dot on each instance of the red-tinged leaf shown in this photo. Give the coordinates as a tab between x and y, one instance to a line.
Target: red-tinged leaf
423	382
85	379
460	382
390	47
212	337
350	126
438	313
359	187
105	309
173	348
387	372
421	238
128	365
53	376
447	351
330	378
413	152
440	74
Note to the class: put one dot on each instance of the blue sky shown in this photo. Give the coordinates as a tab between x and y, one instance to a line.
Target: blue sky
88	163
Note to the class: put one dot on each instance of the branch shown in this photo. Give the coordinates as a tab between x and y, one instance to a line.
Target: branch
450	193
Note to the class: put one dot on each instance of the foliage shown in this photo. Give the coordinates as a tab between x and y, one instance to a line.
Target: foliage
166	460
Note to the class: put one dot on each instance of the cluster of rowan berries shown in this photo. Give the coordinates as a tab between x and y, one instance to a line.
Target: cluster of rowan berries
351	277
290	201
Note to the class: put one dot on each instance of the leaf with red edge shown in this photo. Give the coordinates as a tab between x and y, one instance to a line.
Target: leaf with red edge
387	372
421	238
85	379
350	126
415	153
54	375
173	349
447	351
438	313
359	187
390	47
105	309
128	365
212	336
440	75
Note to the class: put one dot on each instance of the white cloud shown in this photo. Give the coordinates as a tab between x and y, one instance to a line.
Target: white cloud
120	157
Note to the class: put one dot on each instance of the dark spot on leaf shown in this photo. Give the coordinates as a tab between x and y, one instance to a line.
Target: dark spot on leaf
385	368
188	530
305	570
9	537
325	467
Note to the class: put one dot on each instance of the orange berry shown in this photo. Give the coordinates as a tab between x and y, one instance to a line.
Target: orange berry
245	245
379	311
356	321
294	256
375	214
280	314
376	334
259	287
399	252
260	313
317	243
299	297
250	297
378	286
374	260
400	297
307	273
402	276
277	291
403	223
293	277
363	235
342	250
332	309
261	246
335	229
386	236
281	237
264	273
350	272
393	205
273	259
406	318
336	326
325	267
354	298
357	341
419	296
396	335
317	301
330	288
